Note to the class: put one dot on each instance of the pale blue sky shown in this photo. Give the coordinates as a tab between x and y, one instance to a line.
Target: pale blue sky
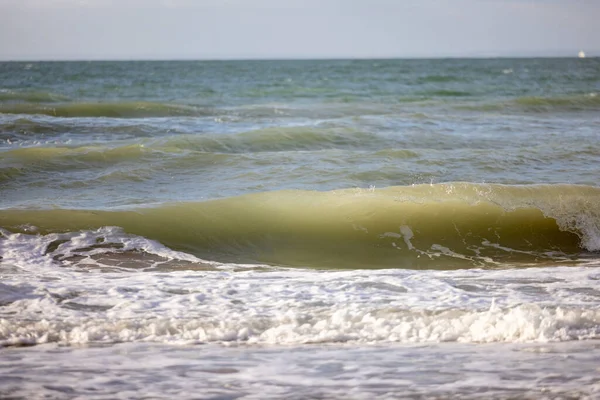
225	29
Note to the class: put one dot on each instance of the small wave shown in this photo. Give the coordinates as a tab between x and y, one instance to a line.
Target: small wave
300	138
110	110
79	154
22	162
290	91
439	79
559	103
446	93
22	127
401	154
30	97
185	149
540	104
19	132
444	226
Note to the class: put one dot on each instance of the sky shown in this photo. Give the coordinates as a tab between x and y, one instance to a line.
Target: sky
242	29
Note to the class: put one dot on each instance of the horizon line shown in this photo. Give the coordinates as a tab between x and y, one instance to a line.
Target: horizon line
216	59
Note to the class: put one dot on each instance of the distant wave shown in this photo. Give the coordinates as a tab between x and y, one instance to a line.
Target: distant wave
332	108
574	102
256	140
440	79
138	109
446	93
191	150
30	96
580	102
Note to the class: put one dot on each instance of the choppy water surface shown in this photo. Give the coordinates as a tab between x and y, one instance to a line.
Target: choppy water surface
300	229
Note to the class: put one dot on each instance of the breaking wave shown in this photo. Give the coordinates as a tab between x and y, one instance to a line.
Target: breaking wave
442	226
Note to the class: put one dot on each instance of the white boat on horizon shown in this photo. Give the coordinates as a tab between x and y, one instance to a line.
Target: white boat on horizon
581	54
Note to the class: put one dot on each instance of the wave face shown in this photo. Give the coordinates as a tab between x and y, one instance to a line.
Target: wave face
444	226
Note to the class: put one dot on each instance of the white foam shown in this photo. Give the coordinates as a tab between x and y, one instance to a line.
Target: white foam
31	251
290	322
50	299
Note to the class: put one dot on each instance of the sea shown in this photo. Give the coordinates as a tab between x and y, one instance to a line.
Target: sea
300	229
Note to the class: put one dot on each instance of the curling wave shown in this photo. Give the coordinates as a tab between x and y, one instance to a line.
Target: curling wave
443	226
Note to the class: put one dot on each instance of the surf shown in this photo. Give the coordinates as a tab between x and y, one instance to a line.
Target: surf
442	226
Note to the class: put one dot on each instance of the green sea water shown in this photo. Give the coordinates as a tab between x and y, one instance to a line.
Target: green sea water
128	135
300	229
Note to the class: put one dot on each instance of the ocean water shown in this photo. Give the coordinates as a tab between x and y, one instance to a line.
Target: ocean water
300	229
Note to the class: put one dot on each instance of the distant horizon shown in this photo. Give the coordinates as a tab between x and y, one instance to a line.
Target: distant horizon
590	55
